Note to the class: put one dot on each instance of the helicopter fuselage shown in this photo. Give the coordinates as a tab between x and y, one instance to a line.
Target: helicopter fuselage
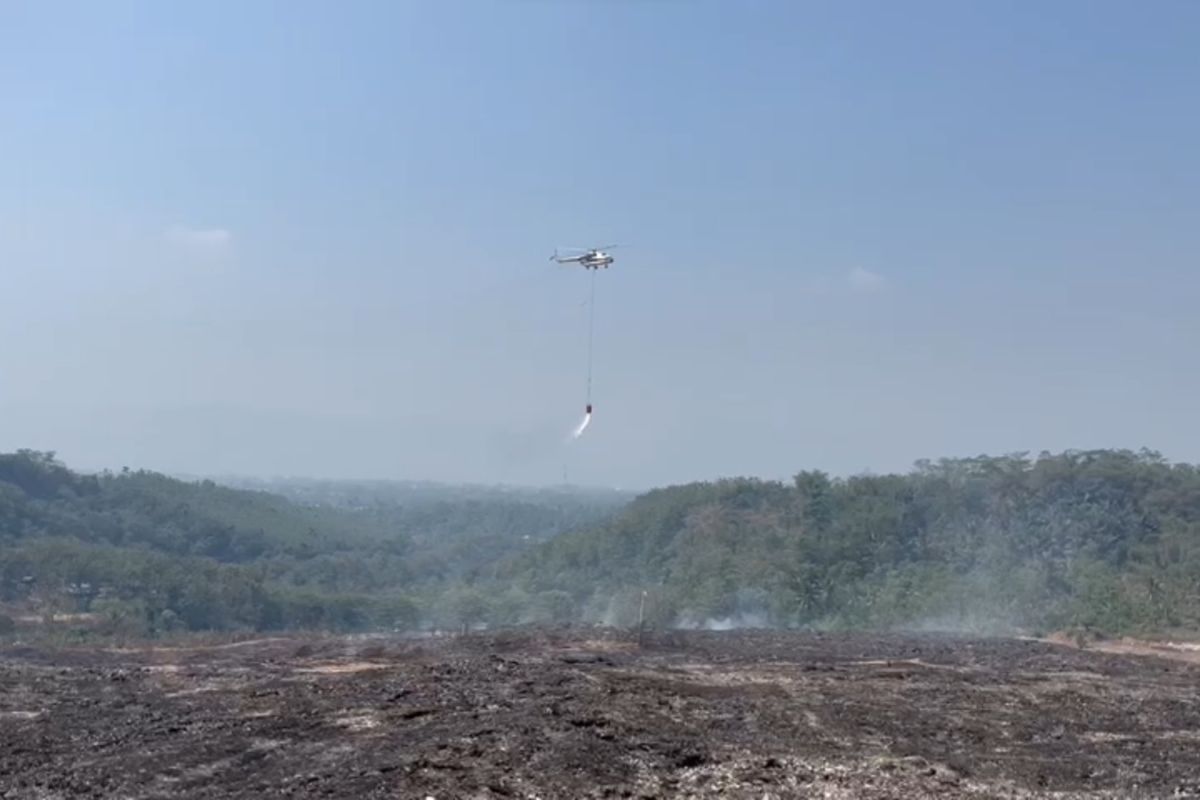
594	259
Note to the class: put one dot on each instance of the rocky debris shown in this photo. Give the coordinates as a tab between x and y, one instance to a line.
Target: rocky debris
585	714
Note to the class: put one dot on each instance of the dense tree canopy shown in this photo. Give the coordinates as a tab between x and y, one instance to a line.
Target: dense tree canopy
1105	539
1108	540
157	554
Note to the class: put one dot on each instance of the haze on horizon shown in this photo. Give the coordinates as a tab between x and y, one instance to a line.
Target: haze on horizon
287	239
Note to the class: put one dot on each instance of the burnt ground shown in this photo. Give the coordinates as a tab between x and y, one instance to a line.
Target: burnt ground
587	714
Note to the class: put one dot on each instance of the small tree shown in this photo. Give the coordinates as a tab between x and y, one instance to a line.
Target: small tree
555	606
122	618
509	607
463	607
397	613
169	622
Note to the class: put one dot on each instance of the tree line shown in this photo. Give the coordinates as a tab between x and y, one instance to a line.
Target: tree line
141	553
1104	540
1107	540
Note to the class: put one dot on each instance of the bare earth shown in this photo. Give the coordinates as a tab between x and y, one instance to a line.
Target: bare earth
587	714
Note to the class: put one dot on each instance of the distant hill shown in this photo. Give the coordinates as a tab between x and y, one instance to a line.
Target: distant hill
157	553
368	493
455	531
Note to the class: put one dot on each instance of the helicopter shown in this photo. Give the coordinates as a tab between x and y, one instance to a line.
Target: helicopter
591	259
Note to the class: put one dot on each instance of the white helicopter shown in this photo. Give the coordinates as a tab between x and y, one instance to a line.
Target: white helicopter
595	258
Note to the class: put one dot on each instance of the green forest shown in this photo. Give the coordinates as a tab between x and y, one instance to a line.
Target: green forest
142	553
1107	541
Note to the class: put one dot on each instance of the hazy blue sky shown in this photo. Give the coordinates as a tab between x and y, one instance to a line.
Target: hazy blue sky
311	238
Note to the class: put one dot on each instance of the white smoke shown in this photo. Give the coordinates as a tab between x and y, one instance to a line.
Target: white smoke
689	622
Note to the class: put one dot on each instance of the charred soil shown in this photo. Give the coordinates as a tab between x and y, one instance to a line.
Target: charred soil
590	714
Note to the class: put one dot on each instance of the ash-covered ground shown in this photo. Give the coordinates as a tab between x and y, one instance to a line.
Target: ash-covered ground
589	714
